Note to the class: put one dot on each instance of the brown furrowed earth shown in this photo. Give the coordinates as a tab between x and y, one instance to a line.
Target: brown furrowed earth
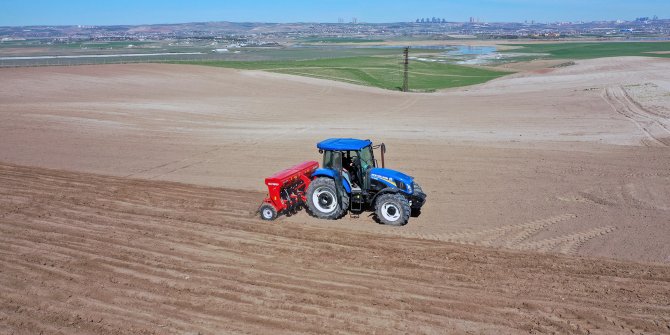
128	197
86	254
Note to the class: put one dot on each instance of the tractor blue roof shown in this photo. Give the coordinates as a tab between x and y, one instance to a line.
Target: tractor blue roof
343	144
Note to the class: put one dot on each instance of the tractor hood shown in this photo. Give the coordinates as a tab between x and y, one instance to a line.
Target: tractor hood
391	178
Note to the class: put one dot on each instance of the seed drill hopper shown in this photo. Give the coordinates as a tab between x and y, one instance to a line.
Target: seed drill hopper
286	190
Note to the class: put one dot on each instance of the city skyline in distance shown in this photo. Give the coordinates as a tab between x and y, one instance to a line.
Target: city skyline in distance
125	12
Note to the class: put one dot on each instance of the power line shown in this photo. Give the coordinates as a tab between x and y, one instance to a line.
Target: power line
405	79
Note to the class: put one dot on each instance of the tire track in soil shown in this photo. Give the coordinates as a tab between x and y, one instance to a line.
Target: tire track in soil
515	236
653	126
170	167
567	244
489	237
626	194
406	104
90	254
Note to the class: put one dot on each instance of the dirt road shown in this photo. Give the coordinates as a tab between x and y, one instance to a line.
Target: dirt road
91	254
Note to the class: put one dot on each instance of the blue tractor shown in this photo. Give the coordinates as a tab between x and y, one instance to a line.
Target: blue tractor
350	181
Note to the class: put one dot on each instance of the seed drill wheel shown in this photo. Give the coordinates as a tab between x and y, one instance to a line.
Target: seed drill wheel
268	212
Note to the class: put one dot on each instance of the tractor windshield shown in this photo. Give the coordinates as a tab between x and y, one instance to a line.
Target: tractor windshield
332	160
367	159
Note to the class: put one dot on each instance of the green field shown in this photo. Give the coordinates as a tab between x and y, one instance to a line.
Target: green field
595	49
309	53
382	72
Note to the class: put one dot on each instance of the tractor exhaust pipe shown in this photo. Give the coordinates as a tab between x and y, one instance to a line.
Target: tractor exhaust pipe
383	151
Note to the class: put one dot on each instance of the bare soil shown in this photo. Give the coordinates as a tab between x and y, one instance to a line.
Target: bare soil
128	192
91	254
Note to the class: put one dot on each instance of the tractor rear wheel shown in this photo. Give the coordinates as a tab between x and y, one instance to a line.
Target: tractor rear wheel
323	202
392	209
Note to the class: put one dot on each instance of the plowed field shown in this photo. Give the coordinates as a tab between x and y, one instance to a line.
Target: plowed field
89	254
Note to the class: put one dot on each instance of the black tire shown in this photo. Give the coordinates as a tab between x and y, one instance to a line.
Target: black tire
322	200
268	212
392	209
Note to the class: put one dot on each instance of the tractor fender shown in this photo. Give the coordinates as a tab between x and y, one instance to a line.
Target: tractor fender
332	174
388	190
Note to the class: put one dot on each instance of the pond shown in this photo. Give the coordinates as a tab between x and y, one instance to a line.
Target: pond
475	55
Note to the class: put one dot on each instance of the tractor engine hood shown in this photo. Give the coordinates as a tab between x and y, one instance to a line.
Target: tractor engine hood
392	178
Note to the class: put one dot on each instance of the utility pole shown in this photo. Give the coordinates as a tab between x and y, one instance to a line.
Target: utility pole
405	79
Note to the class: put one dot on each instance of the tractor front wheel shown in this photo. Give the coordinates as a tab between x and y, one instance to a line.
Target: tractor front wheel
392	209
323	202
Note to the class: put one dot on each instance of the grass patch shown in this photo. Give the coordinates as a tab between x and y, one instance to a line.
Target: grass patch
20	44
382	72
595	50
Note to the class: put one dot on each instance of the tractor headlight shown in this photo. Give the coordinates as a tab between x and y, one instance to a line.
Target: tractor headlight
407	188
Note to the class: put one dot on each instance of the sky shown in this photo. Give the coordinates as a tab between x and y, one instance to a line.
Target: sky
113	12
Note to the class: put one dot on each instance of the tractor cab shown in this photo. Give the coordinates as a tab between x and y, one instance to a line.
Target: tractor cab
351	159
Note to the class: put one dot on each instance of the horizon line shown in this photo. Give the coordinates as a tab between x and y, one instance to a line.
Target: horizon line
316	22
